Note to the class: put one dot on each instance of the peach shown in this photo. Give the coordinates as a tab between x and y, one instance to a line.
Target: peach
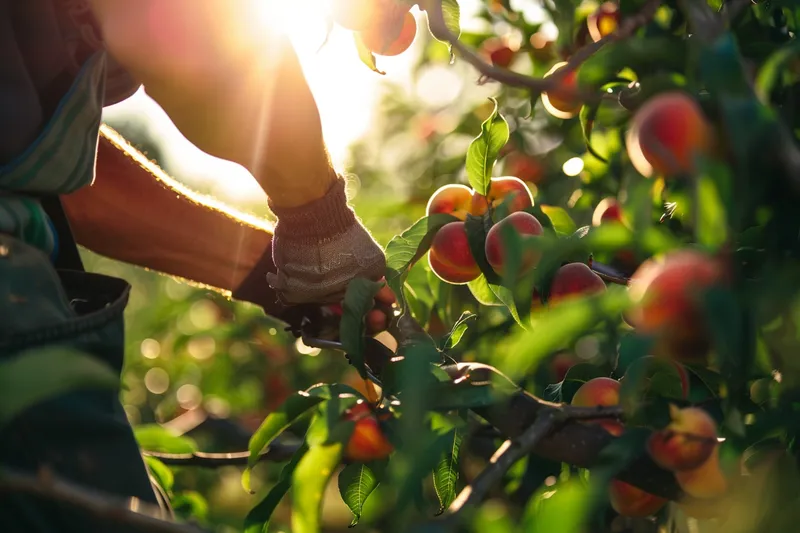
563	101
453	199
666	295
392	36
608	210
574	279
367	443
527	226
497	52
600	392
499	189
354	14
450	257
666	134
632	501
604	21
525	167
706	481
686	443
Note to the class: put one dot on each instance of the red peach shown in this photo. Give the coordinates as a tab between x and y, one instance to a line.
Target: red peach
632	501
666	133
367	443
608	210
499	189
453	199
526	225
687	442
450	257
497	52
562	102
391	37
525	167
599	392
604	21
574	279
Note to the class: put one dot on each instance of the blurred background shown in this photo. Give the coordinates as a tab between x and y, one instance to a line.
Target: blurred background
201	365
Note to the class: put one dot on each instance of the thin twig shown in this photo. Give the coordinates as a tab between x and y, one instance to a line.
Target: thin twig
276	453
131	511
505	457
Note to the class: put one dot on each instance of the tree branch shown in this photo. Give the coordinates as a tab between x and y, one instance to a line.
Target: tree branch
105	506
277	452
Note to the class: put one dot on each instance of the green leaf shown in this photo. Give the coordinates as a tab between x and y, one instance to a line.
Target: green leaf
563	508
451	12
459	328
445	475
157	438
365	55
407	248
35	376
161	473
575	377
587	116
483	150
477	228
296	406
309	481
557	326
493	295
190	505
356	482
257	520
358	301
643	56
769	74
710	214
562	222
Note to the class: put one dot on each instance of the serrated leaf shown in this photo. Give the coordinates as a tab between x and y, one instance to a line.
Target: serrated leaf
445	475
257	520
358	301
562	222
356	482
458	330
309	481
407	248
484	149
365	55
38	375
295	407
157	438
557	326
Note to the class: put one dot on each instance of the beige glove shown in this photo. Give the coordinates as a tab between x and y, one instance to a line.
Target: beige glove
319	247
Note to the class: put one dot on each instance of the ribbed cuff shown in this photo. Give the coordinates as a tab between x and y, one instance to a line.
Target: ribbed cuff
316	221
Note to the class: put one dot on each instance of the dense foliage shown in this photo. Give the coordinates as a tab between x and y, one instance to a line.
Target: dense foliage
654	304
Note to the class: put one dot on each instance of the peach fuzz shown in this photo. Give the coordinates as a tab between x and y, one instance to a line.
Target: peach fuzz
633	502
450	257
525	225
367	443
453	199
562	102
574	279
392	37
666	295
666	133
604	21
499	190
686	443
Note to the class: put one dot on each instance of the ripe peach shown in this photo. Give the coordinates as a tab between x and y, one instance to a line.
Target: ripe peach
608	210
452	199
666	296
526	225
666	133
497	52
367	443
632	501
354	14
499	189
687	442
600	392
392	37
604	21
706	481
525	167
562	102
574	279
450	257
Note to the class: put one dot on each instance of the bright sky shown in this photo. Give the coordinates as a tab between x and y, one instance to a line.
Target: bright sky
346	92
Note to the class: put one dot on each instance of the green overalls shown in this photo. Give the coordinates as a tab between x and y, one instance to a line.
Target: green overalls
83	436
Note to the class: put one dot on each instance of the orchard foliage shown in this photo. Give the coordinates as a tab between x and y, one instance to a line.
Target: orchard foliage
597	321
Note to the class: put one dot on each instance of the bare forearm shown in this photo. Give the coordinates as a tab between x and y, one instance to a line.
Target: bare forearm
137	214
